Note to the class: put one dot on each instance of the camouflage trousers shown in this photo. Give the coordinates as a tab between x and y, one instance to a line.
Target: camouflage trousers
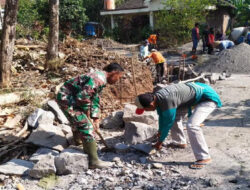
80	121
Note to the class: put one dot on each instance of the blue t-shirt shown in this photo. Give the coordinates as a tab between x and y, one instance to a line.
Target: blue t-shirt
226	44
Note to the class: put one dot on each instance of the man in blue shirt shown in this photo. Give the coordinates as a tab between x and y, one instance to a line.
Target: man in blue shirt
224	44
170	102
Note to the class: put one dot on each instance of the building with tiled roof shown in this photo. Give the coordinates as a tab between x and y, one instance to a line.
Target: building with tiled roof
135	7
219	17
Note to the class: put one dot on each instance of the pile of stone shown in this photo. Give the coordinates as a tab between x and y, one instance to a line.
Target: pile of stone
234	60
52	133
138	129
54	156
131	169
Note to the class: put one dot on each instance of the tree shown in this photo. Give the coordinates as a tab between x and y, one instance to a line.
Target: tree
93	8
8	40
178	18
72	16
27	12
242	12
52	51
42	7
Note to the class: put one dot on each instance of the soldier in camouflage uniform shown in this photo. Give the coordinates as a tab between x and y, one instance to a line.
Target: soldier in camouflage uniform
79	99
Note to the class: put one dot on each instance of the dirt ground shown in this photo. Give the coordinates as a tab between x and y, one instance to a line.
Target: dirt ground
226	130
227	133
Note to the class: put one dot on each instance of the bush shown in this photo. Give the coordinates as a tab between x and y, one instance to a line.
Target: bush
22	32
175	23
32	17
72	16
113	34
27	13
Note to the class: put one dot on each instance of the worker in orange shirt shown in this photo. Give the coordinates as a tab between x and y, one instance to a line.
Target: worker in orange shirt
159	61
152	41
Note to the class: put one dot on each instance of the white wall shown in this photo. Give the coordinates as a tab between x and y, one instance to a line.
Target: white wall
155	5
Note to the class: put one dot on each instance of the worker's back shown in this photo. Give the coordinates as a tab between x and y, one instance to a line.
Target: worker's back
157	57
152	39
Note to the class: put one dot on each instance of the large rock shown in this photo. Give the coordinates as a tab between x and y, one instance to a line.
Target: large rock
32	119
148	117
121	148
42	153
46	118
67	130
16	167
145	148
138	132
114	121
56	109
71	161
48	136
43	167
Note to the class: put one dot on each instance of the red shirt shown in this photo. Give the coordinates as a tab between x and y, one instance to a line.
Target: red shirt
152	39
210	39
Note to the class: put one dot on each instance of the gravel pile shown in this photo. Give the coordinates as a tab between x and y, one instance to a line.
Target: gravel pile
235	60
125	174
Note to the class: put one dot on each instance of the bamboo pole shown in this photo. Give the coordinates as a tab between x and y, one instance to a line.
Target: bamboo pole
121	91
184	64
168	72
179	73
133	73
172	70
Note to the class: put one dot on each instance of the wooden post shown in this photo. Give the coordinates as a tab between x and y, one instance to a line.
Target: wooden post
121	82
121	91
172	70
168	73
184	64
133	72
179	73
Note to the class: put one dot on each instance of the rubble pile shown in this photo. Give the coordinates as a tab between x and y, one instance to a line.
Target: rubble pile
88	55
79	58
235	60
32	87
133	166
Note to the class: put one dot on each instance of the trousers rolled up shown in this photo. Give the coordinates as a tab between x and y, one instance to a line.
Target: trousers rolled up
195	134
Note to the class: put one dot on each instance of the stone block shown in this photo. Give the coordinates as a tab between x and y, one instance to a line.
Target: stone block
136	132
114	121
57	110
41	153
16	167
71	161
43	167
48	136
150	118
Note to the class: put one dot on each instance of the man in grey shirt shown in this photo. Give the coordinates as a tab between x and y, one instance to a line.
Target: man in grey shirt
169	101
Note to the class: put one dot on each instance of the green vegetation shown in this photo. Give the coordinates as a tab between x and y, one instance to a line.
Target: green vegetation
33	17
93	8
175	23
242	12
72	16
27	13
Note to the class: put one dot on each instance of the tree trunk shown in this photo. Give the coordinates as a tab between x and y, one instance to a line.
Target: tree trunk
52	51
8	41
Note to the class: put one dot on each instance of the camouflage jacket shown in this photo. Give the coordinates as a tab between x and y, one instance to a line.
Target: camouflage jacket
83	92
